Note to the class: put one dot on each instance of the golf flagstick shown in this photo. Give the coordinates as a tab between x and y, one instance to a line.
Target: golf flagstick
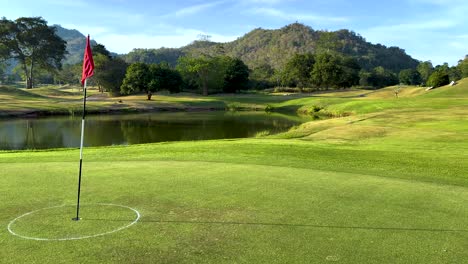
88	71
81	153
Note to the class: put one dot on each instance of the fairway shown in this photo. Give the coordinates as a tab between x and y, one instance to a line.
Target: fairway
385	184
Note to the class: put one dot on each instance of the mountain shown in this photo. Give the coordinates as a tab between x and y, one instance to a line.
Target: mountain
272	48
76	43
264	49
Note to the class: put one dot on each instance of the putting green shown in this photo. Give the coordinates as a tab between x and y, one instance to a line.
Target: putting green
301	207
55	223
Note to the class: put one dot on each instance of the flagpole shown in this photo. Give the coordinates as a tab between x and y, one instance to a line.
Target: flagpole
88	71
81	152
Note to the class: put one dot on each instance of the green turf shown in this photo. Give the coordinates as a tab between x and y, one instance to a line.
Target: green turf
387	184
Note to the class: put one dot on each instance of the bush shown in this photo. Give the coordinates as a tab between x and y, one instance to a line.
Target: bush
438	78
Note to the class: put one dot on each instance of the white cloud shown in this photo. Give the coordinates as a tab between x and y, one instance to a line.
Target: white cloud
269	2
291	16
439	2
94	31
424	25
194	9
74	3
459	45
124	43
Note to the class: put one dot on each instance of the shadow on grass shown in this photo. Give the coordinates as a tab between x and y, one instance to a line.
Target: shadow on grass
285	225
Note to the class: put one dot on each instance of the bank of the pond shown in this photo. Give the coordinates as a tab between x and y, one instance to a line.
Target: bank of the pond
50	101
112	110
128	129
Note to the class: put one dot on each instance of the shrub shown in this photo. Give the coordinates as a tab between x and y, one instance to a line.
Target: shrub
438	78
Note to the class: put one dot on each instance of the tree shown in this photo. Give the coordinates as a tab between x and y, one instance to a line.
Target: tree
101	49
136	79
463	67
70	74
365	78
336	71
236	76
162	77
438	78
150	78
110	74
409	77
350	72
298	69
326	71
425	69
196	69
454	73
2	71
261	76
329	42
30	41
379	77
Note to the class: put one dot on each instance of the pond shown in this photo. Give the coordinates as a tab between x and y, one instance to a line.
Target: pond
106	130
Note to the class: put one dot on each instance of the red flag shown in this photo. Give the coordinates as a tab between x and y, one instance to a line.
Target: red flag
88	63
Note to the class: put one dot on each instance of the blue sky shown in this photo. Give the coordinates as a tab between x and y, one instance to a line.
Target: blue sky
435	30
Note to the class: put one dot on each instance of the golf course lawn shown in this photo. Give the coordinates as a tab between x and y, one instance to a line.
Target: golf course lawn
385	183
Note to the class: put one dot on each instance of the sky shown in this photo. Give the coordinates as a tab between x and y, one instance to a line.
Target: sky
435	30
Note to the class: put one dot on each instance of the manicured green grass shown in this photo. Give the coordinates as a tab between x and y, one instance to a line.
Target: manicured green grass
386	184
248	200
67	100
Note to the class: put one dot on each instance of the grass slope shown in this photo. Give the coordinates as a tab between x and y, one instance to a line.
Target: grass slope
387	184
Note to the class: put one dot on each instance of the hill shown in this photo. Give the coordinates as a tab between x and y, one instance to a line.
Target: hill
264	48
76	43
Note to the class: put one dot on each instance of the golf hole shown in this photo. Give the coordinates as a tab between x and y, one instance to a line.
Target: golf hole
54	223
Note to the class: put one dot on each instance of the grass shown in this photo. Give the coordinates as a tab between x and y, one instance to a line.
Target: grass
386	184
64	100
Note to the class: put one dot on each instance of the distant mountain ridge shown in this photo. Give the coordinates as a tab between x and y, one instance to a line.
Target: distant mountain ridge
76	43
262	48
272	48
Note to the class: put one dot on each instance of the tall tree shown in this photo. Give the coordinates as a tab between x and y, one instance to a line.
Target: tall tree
409	77
162	77
438	78
30	41
110	73
2	71
150	78
236	76
328	42
70	74
425	69
463	67
101	49
334	70
350	72
379	77
299	68
198	67
136	78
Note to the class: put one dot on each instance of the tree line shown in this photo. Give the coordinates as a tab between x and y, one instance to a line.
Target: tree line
40	53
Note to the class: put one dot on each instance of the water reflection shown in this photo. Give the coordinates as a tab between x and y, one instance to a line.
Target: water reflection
105	130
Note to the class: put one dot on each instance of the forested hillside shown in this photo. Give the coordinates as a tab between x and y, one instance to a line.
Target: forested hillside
76	42
271	49
295	56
